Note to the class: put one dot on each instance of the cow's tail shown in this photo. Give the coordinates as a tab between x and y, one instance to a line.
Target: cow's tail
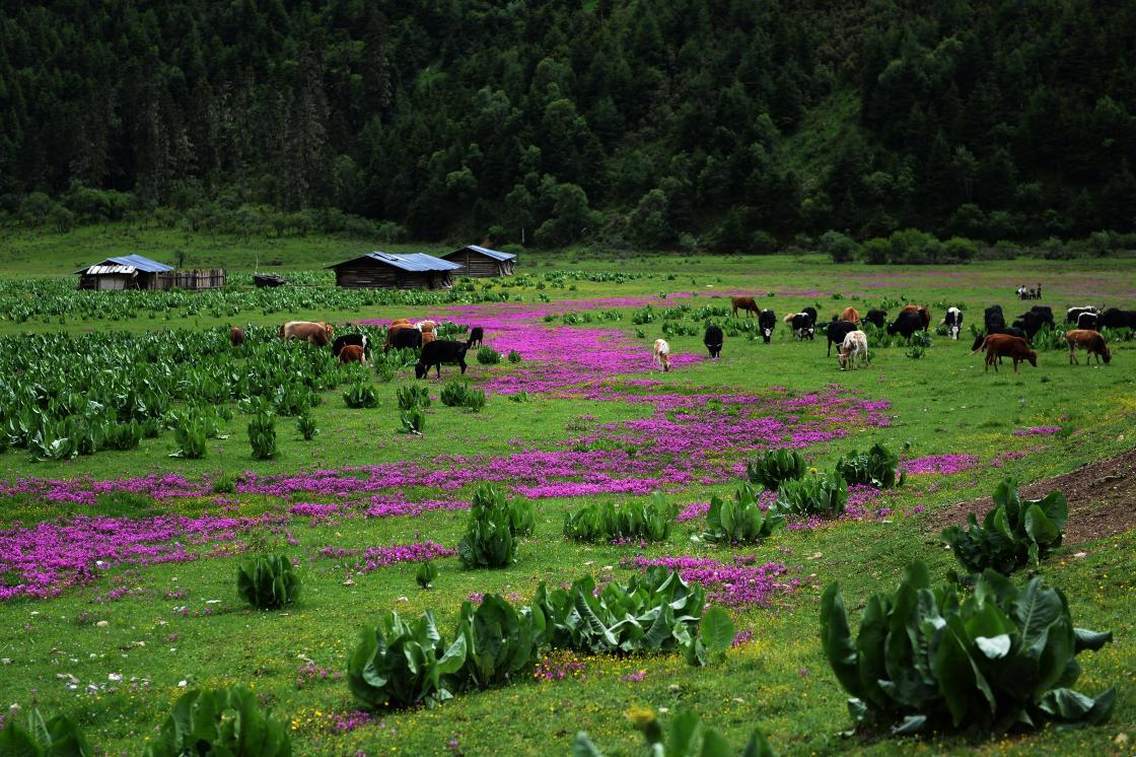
981	347
789	318
280	332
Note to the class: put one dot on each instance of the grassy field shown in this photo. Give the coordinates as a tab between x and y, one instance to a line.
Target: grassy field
114	650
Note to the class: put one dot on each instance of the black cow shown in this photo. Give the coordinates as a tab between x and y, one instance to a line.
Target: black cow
1030	323
1087	320
994	319
906	324
713	340
953	321
406	338
359	340
1045	313
476	334
441	351
803	325
766	321
1073	315
836	332
1115	318
812	313
877	317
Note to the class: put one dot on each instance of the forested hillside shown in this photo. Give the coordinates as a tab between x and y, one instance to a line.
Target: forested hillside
650	122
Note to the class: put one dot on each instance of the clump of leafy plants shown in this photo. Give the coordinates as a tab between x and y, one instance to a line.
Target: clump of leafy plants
816	494
221	721
773	467
501	641
490	536
426	574
262	436
122	436
924	661
306	425
458	393
604	521
268	582
740	520
1013	534
488	356
412	421
360	395
189	435
225	483
514	356
877	467
412	395
685	735
31	735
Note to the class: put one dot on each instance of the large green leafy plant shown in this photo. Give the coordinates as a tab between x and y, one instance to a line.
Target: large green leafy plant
740	520
402	664
262	436
32	736
685	735
773	467
876	467
268	582
815	494
604	521
501	641
923	660
220	722
490	536
1013	534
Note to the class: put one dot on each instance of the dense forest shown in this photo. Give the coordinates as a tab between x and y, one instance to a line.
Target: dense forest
726	124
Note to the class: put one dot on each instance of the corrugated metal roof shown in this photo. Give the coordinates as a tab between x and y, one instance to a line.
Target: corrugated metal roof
98	270
407	261
134	261
495	254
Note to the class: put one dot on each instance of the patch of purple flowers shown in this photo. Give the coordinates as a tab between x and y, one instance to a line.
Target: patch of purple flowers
945	464
734	585
379	557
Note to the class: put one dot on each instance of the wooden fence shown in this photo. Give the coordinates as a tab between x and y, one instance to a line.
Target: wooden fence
210	278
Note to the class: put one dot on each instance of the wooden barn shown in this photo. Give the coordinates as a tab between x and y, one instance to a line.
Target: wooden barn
138	272
482	261
388	270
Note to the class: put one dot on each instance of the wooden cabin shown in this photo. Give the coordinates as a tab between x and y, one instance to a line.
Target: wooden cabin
138	272
482	261
389	270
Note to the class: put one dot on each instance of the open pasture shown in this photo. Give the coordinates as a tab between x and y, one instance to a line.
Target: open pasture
118	568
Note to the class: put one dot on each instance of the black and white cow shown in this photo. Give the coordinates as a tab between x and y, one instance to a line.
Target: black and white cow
713	340
766	321
359	340
1073	314
1087	320
836	332
953	321
803	325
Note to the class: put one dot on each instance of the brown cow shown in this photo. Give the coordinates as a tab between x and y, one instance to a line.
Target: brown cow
318	334
850	314
1091	342
427	328
1013	347
923	313
744	303
352	353
236	336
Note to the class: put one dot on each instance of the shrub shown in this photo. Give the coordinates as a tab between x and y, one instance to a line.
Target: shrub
841	248
225	483
306	425
924	661
360	395
426	574
413	395
1013	534
876	467
488	356
740	520
501	641
474	400
775	466
222	721
35	737
121	436
489	540
815	494
457	393
262	436
268	582
684	736
514	356
189	435
412	421
604	521
399	664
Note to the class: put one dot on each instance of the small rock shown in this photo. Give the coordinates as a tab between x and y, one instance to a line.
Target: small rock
102	624
114	677
1080	555
182	683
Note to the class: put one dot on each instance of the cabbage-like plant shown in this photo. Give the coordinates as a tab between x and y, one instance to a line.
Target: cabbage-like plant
740	520
604	521
400	664
121	436
685	735
775	466
306	425
32	736
426	574
522	516
412	421
361	395
489	540
1013	534
453	393
876	467
220	722
412	395
923	660
262	436
488	356
815	494
514	356
268	582
501	641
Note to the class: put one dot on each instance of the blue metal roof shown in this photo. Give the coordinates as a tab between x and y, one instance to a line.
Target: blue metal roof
135	261
495	254
407	261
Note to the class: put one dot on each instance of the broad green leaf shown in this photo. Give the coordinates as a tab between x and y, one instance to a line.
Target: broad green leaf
717	629
994	648
836	640
1093	640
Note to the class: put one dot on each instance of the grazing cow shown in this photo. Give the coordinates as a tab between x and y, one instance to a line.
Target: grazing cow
476	334
236	336
427	329
1073	314
1115	318
1091	342
811	312
403	337
713	340
803	325
906	324
352	353
438	352
953	321
850	314
1009	331
877	317
744	303
357	340
994	319
1088	321
766	321
318	334
1030	323
662	354
853	350
1045	313
1003	345
923	313
836	332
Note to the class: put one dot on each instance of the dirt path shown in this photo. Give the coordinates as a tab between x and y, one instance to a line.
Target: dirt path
1101	495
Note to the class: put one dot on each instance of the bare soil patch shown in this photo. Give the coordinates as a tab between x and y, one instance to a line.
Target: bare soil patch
1101	495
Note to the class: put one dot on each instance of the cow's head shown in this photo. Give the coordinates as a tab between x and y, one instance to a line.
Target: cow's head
420	370
767	334
328	329
1031	356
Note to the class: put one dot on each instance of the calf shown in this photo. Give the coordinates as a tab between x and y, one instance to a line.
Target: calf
877	317
851	315
662	354
766	321
836	332
476	334
427	329
713	340
803	325
236	336
1003	345
403	337
953	321
993	318
906	324
438	352
854	349
352	353
1091	342
318	334
354	340
744	303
